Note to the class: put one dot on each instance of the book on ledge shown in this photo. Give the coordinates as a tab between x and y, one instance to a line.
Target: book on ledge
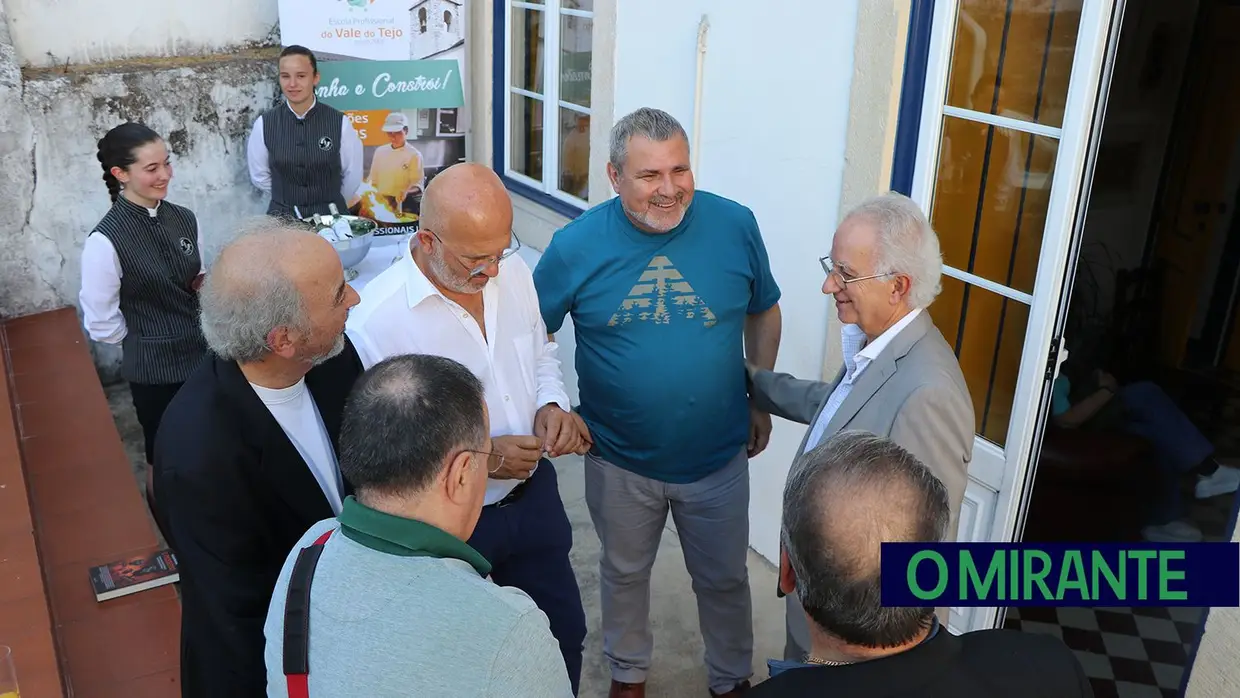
135	574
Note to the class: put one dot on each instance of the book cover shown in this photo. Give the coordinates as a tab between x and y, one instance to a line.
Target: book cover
135	574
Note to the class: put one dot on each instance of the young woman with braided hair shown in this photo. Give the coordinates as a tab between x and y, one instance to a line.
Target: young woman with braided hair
141	267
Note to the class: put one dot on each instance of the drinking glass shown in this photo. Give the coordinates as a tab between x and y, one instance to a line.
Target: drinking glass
8	675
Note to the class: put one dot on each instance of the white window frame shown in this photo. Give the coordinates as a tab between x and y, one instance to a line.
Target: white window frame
1012	467
552	12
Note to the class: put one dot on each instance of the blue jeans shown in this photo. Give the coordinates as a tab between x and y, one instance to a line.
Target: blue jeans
527	543
1179	445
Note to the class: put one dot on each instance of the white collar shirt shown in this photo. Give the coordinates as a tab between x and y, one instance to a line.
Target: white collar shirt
857	356
402	312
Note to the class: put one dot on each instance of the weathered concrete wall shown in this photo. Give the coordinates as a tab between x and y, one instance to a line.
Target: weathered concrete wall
80	32
51	180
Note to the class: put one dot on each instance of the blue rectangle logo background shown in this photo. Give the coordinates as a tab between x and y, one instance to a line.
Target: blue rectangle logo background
1061	574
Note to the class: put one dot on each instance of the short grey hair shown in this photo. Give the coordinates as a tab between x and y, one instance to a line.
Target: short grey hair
842	500
906	244
655	124
245	296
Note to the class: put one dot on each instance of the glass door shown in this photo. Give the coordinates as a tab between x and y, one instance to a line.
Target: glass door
1010	96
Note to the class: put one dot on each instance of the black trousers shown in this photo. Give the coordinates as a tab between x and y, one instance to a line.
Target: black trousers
150	401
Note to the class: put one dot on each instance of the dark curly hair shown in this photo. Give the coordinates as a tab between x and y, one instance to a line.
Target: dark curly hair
117	148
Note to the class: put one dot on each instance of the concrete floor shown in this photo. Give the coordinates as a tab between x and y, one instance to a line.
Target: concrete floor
678	668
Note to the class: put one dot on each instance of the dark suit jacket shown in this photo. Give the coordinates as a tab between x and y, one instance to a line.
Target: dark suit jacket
986	663
237	496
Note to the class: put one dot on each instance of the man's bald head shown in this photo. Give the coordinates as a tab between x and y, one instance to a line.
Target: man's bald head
259	282
467	204
841	502
465	227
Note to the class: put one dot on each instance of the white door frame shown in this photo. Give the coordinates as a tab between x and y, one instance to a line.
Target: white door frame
1071	163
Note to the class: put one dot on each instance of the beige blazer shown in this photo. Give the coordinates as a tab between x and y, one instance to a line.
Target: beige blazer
913	393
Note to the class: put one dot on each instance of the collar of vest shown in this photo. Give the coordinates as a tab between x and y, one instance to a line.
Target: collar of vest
129	207
397	535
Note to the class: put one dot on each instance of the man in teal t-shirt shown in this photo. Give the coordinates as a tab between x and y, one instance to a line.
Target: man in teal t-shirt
670	291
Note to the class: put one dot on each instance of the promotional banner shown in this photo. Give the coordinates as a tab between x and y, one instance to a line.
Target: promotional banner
397	69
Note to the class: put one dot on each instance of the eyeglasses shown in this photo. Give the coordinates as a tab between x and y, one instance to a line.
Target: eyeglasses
494	461
481	266
828	266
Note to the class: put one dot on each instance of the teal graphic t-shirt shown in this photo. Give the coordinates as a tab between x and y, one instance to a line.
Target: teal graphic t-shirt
659	323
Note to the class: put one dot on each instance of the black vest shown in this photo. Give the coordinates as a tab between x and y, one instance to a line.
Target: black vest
159	259
304	158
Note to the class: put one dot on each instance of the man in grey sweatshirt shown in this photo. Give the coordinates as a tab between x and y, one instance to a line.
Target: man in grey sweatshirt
401	605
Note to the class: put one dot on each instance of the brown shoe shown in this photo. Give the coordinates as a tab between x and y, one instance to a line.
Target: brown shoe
735	692
619	689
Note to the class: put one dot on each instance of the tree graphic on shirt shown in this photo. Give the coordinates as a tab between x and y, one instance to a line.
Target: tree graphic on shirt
660	294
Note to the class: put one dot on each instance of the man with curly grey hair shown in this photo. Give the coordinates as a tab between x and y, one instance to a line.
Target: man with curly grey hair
900	378
245	458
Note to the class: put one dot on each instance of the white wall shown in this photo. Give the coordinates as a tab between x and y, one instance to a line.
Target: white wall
51	32
774	121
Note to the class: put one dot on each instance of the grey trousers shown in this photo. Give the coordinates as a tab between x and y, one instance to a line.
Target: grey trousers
712	518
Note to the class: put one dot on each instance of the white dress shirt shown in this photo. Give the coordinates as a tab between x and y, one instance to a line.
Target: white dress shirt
100	296
350	156
857	356
295	411
403	313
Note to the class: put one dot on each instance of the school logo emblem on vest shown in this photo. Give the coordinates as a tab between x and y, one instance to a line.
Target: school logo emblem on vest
325	143
661	293
187	247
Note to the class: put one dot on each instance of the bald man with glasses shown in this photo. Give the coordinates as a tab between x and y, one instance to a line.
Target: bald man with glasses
463	294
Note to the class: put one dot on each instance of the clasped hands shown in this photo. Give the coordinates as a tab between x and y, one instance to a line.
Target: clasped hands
556	433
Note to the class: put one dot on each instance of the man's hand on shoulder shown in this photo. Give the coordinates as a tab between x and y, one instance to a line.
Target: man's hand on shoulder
561	432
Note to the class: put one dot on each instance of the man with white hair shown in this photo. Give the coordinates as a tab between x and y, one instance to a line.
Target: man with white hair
900	379
245	458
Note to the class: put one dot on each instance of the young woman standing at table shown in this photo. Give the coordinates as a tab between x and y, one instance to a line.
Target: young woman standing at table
141	267
305	154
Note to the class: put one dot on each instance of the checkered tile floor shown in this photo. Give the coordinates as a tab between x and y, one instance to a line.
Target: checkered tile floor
1126	652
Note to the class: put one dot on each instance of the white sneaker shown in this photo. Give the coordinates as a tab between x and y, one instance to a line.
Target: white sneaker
1174	532
1225	480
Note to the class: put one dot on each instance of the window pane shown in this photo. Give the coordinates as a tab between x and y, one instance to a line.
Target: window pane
575	153
988	333
527	49
526	138
575	64
990	200
587	5
1014	58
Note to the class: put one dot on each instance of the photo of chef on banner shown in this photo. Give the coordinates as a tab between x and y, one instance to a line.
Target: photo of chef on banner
402	151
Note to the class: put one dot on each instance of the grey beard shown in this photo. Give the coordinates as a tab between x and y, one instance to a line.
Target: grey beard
331	353
443	274
646	221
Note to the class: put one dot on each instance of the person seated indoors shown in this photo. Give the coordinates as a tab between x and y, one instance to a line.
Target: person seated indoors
1144	410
